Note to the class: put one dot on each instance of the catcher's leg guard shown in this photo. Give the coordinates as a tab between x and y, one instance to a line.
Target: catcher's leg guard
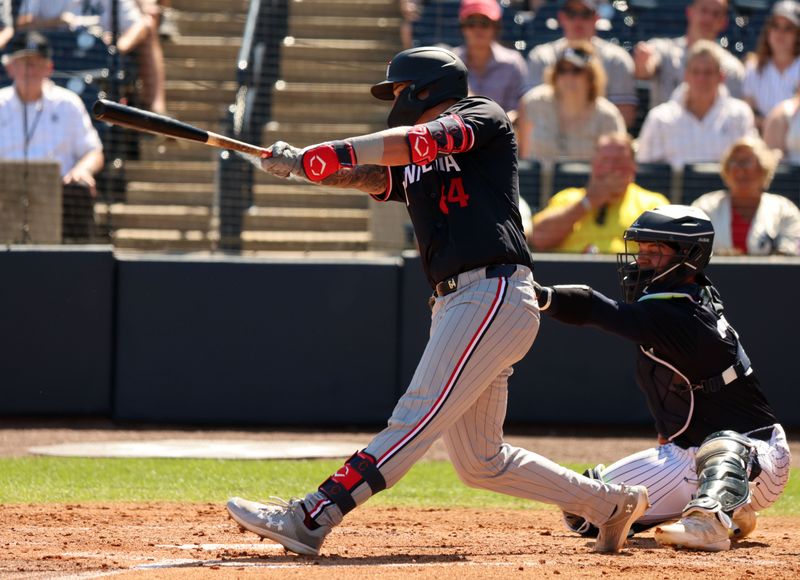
576	523
722	461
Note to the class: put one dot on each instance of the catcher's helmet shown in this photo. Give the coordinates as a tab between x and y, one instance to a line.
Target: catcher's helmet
687	229
439	71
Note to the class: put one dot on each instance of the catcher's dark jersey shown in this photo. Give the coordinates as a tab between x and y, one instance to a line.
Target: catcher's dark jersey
683	329
465	207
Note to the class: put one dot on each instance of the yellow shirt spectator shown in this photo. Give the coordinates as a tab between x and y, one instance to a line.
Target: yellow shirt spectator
600	231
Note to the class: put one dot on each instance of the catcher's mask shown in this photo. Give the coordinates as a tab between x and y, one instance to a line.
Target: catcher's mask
434	72
687	230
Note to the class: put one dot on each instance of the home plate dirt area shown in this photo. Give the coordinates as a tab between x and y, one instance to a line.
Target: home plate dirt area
159	540
191	540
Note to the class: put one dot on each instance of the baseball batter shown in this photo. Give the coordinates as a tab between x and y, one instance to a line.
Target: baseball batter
452	161
721	454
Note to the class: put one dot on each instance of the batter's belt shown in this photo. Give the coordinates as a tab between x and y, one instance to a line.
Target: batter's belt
450	285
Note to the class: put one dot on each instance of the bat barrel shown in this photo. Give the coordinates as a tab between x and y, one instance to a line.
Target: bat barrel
134	118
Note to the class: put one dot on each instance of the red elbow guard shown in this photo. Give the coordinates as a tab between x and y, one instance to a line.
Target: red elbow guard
439	137
422	145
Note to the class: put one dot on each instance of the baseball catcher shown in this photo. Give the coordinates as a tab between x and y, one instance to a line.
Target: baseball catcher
721	454
451	159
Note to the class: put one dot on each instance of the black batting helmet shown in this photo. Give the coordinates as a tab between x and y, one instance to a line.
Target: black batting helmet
686	229
436	69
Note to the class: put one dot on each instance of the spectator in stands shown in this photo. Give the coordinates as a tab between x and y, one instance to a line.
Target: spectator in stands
6	24
592	219
495	71
782	128
701	121
663	60
163	16
410	11
772	73
41	121
747	219
137	32
577	19
563	118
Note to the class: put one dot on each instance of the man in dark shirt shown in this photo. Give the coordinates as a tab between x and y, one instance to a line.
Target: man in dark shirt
715	427
452	161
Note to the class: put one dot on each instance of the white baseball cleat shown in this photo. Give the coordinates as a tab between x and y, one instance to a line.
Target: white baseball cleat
698	530
281	522
614	532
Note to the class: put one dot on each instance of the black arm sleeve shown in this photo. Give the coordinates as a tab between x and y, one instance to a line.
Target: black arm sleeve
653	322
570	304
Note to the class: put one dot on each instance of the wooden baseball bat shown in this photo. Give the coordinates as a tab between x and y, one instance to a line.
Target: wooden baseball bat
140	120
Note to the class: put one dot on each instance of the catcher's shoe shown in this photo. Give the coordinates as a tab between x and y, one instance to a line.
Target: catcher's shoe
698	530
631	507
280	521
744	522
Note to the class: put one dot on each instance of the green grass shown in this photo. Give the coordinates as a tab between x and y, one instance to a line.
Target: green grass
69	480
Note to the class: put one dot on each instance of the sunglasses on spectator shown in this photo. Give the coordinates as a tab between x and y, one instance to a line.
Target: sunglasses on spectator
477	23
578	13
565	69
746	163
782	27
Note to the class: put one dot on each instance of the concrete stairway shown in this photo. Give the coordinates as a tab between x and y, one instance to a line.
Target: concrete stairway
170	190
335	49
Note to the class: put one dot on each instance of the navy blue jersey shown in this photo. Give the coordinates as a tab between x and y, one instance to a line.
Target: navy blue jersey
683	339
465	207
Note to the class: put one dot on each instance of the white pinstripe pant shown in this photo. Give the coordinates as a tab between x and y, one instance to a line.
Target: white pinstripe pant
460	390
669	473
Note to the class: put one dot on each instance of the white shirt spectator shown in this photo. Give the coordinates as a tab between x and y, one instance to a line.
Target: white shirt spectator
5	13
670	58
671	134
775	228
97	12
58	127
769	86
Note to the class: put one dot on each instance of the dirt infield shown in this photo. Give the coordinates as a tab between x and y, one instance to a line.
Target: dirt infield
171	540
193	541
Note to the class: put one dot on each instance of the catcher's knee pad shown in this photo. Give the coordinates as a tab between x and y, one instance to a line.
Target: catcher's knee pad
578	524
360	468
722	461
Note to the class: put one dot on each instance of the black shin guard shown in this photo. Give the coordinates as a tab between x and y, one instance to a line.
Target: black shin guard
360	468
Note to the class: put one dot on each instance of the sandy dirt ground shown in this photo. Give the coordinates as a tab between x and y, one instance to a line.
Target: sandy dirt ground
173	540
196	541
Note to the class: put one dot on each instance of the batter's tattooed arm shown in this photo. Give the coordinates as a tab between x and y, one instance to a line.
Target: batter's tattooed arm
370	179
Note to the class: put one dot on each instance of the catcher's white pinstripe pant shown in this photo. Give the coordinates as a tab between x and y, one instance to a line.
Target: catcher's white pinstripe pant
459	391
669	473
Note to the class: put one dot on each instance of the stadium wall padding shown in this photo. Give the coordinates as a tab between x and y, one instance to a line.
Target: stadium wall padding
227	340
255	342
56	320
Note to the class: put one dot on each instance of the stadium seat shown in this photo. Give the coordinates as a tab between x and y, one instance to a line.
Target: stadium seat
700	178
530	177
747	18
544	26
570	174
655	177
665	18
438	24
787	181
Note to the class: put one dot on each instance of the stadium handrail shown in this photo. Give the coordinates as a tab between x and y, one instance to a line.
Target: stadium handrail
257	71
